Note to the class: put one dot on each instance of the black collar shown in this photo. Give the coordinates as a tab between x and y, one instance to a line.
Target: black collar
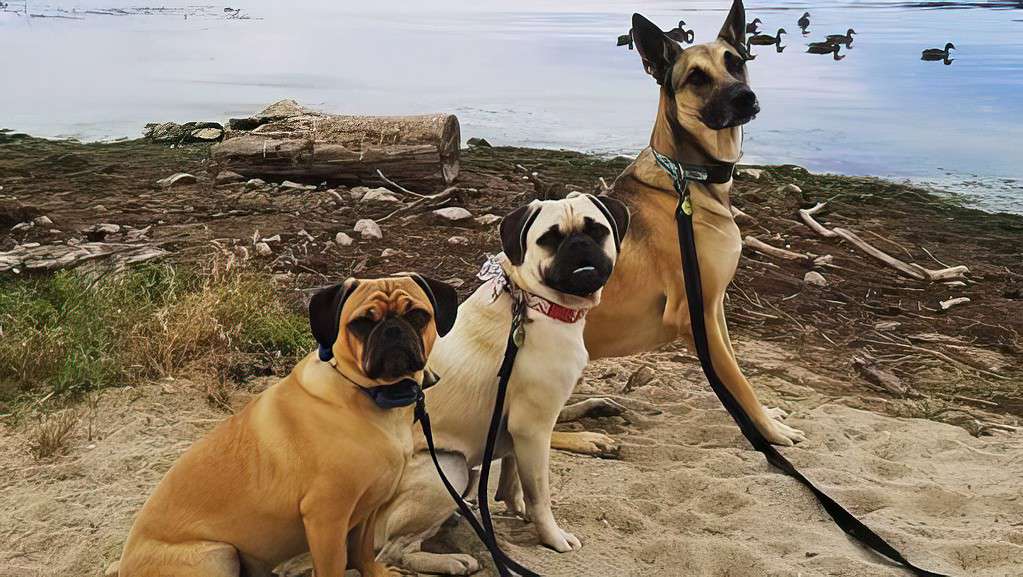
395	395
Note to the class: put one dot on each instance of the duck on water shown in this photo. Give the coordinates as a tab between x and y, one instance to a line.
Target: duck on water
846	38
937	53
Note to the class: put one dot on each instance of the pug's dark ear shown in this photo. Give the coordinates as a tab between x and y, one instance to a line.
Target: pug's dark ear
325	314
657	50
617	215
444	299
733	31
514	229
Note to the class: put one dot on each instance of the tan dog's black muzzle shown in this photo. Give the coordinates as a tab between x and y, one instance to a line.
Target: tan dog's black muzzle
394	349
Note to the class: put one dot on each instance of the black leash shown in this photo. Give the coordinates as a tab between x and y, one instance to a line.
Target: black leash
694	295
506	566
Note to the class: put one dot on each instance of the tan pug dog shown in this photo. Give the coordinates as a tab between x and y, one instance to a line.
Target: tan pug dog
306	465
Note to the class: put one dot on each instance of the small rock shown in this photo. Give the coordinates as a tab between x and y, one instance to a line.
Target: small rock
458	240
455	282
42	221
343	239
178	179
255	183
815	278
368	228
380	195
305	233
750	173
388	252
207	134
357	192
478	143
21	226
228	177
643	376
274	238
452	213
103	229
263	249
487	219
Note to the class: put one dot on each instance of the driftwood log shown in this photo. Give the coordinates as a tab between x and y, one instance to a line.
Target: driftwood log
289	141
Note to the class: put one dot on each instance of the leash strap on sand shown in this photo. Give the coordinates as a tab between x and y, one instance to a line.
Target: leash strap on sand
486	535
694	297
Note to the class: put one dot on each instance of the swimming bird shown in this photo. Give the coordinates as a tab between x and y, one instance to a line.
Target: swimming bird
766	39
680	34
937	53
825	48
846	38
821	47
804	22
753	27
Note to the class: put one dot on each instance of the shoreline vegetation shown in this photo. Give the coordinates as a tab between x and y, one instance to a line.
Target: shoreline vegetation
222	299
187	297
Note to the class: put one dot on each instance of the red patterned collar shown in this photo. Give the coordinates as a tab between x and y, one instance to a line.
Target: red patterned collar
493	273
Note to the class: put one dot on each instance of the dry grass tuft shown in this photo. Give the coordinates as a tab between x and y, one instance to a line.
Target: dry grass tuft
52	435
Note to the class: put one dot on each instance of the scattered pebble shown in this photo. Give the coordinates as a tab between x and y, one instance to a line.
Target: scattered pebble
452	213
388	252
22	226
255	183
357	192
750	173
487	219
42	221
381	195
478	142
815	278
263	249
178	179
368	228
207	134
458	240
228	177
343	239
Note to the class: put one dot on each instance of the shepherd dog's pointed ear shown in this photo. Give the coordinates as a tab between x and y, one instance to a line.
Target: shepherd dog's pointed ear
325	314
514	229
733	31
444	299
657	50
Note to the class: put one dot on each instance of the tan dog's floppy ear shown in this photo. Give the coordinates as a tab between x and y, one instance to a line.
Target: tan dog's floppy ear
657	50
514	229
444	299
733	31
325	314
617	215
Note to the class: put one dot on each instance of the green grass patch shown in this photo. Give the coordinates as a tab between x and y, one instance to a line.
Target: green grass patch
73	332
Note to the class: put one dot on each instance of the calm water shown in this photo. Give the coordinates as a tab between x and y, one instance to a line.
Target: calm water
528	73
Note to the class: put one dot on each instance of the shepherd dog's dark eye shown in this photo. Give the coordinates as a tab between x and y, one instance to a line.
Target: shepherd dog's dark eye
551	239
418	318
361	327
698	78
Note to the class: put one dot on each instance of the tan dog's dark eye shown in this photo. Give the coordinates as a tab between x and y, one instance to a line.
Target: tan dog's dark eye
698	78
361	327
418	318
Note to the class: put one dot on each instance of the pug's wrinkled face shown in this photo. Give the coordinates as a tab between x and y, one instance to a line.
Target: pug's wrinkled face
381	331
564	250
